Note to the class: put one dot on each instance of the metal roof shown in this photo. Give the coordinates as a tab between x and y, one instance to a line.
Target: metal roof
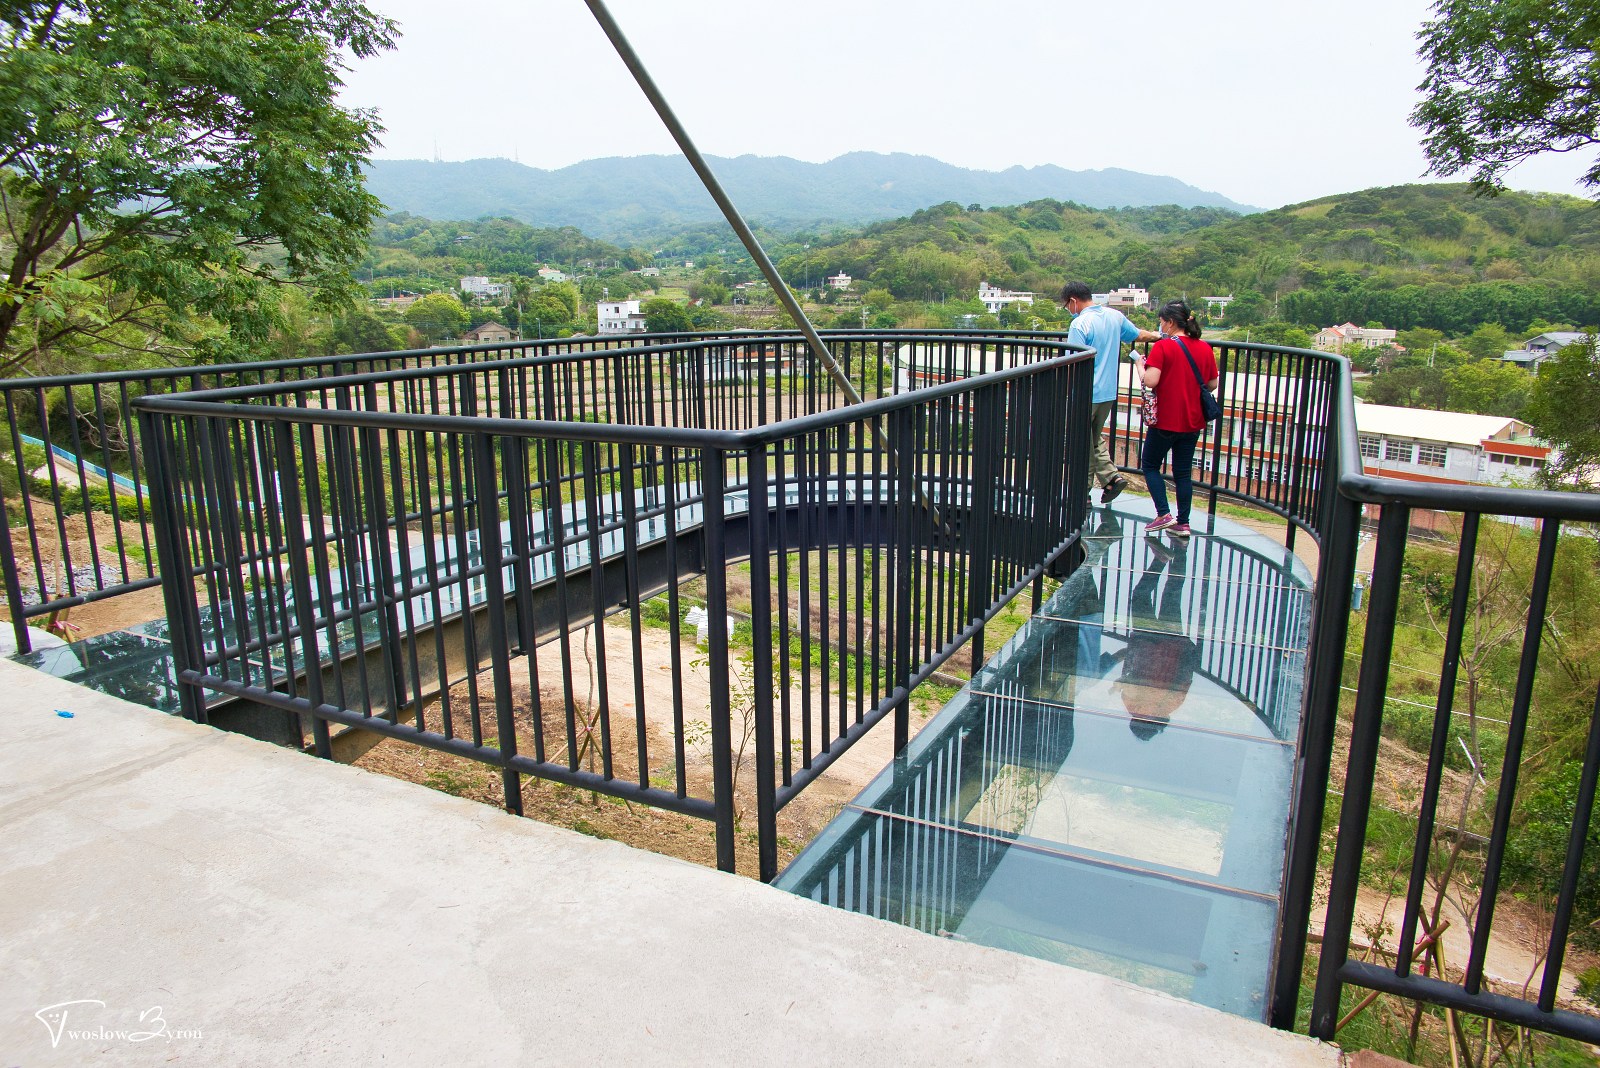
1421	424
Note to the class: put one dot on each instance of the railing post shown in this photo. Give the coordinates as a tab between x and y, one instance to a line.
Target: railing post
300	579
902	462
1371	690
8	570
1224	370
1339	529
492	555
761	655
1319	716
713	485
384	579
177	587
988	444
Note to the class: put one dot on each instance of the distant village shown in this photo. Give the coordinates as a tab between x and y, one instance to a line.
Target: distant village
1417	444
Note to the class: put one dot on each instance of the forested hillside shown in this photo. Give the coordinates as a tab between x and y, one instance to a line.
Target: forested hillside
1408	256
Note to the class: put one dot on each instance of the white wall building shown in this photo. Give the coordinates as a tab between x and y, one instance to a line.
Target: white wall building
839	281
1428	446
620	317
550	274
994	298
1126	297
480	286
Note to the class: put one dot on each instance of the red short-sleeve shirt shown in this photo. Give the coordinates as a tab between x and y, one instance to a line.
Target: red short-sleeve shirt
1178	393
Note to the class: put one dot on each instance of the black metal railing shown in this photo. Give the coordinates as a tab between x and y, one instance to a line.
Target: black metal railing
1466	609
72	476
1268	449
359	551
73	479
1288	444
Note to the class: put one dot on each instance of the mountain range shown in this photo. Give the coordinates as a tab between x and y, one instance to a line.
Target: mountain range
630	198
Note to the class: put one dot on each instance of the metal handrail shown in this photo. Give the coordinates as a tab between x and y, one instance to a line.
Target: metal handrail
217	403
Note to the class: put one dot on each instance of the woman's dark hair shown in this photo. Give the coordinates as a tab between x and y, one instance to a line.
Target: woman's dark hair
1177	313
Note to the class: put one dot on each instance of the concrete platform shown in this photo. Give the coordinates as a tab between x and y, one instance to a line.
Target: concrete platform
258	907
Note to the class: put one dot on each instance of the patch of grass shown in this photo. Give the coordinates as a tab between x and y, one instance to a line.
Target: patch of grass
451	782
1391	839
1589	985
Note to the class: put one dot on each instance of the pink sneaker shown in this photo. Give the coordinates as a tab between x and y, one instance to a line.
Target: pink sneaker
1179	530
1160	523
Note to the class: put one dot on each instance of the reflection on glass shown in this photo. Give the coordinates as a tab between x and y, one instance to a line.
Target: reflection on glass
1111	791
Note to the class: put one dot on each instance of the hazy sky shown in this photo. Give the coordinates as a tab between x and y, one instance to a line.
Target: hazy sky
1265	101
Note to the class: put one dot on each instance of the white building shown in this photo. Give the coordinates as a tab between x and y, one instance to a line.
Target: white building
480	286
1126	297
620	317
1338	338
648	272
839	281
1456	447
550	274
994	298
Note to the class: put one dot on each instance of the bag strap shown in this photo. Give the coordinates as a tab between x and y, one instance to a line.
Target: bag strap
1192	365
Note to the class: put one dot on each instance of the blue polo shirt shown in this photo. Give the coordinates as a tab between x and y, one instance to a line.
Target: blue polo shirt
1104	330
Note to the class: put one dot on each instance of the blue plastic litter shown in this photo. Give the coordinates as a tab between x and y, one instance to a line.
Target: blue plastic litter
63	713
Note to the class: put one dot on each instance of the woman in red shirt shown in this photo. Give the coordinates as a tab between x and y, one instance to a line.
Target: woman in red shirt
1179	419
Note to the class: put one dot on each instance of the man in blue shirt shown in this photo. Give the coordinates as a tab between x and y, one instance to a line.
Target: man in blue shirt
1105	330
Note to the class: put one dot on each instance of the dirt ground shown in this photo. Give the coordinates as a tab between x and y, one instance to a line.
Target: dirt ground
98	617
682	836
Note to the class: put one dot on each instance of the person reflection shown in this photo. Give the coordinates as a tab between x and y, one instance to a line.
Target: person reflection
1076	646
1160	660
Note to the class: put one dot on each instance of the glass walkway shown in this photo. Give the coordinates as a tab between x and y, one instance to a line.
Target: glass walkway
1112	790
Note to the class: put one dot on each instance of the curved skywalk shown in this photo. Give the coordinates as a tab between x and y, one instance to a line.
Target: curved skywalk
1112	790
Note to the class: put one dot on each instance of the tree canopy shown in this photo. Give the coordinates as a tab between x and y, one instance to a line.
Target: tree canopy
172	161
665	317
1562	410
1507	80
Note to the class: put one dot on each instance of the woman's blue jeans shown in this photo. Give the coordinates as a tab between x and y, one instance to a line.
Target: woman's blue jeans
1157	444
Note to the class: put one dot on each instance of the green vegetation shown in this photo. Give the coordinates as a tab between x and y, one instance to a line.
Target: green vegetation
1563	698
1408	256
168	165
1507	81
1563	406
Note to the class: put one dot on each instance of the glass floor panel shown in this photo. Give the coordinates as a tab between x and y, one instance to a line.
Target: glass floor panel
134	667
1191	941
1112	789
1104	788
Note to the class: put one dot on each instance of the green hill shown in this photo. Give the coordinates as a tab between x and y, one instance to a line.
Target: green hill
1406	256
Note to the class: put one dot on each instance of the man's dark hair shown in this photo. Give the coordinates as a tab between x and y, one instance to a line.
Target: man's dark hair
1076	291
